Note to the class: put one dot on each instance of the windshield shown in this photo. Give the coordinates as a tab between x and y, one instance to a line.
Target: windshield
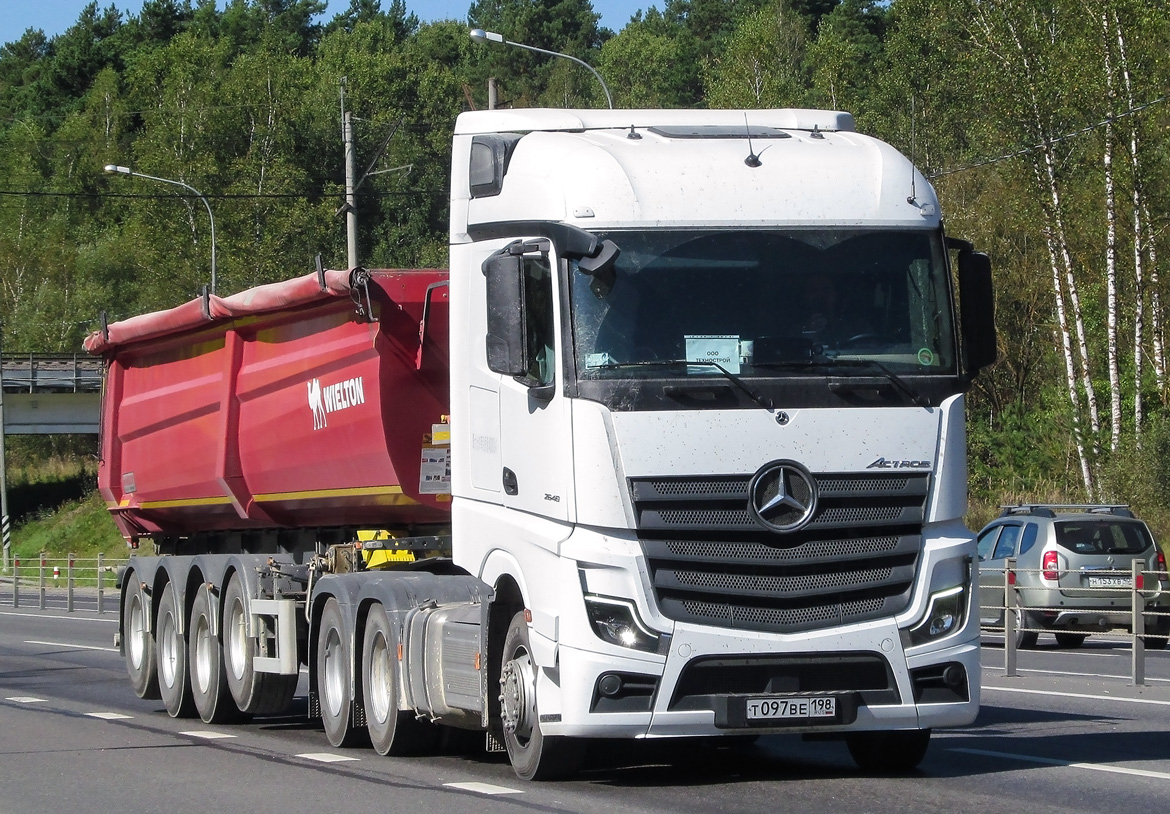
767	303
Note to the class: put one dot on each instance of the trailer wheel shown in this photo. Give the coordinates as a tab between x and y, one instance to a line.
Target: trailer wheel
209	688
333	677
173	676
254	693
138	642
534	755
392	731
892	752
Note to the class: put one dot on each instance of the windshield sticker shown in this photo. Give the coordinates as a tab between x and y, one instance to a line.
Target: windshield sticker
598	359
926	356
713	349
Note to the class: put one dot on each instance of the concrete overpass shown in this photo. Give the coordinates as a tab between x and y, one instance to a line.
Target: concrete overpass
50	393
45	394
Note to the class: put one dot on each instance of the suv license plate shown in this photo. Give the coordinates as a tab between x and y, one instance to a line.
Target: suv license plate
1110	582
794	708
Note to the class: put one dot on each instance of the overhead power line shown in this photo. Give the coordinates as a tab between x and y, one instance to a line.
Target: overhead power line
28	193
1133	111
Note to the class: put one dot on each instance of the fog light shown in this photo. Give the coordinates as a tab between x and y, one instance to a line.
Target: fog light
616	621
944	615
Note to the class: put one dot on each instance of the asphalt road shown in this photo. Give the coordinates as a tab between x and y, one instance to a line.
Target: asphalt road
1069	734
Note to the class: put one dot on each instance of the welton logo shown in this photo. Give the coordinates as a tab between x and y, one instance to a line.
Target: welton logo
334	397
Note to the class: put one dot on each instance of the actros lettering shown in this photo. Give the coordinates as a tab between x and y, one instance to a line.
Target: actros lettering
882	463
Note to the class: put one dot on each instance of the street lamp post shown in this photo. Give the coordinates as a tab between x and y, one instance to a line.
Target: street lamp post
115	169
479	35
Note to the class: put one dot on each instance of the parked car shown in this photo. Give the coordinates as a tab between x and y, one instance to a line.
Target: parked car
1073	571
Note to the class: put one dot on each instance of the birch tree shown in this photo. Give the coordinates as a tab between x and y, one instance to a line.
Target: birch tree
1018	40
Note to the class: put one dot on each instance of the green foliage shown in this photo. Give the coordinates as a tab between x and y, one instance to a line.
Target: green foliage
530	79
241	102
81	527
762	65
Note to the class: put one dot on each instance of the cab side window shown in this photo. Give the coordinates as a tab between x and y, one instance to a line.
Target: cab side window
538	306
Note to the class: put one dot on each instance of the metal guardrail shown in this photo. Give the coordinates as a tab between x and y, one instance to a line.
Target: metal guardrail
35	582
50	372
1016	609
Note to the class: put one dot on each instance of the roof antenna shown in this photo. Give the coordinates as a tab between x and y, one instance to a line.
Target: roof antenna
753	160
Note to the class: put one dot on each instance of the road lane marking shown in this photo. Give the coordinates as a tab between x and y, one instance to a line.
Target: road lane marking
71	646
25	699
109	716
325	757
1079	695
1047	761
70	617
1078	675
482	788
207	734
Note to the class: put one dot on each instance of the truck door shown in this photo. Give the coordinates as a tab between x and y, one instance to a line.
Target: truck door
535	448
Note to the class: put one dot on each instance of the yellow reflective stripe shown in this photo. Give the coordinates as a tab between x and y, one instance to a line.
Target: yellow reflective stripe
356	491
192	501
394	492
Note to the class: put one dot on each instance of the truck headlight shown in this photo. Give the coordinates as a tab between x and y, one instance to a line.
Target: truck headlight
944	616
616	621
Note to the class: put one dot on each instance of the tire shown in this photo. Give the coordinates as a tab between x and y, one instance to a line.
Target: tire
334	663
1071	639
209	688
1026	639
534	755
253	693
174	682
893	752
392	731
138	641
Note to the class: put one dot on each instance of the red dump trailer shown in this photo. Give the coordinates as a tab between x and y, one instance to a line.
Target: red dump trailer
221	404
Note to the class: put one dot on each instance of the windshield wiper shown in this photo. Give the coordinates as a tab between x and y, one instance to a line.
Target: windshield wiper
894	378
751	392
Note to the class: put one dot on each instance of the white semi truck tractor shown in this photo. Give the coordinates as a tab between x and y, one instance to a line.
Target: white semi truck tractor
675	448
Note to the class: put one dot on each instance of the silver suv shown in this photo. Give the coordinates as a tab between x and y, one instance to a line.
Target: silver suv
1073	571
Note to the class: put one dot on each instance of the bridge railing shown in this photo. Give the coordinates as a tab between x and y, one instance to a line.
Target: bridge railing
50	372
62	583
1146	615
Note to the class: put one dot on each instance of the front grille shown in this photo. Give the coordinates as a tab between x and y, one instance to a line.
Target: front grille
712	563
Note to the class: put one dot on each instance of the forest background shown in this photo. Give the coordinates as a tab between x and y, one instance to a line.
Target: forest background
1045	127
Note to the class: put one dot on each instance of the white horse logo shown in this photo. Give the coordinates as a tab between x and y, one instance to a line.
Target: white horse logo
316	404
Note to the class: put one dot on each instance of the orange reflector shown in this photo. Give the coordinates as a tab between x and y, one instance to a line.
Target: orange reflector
528	616
400	651
477	662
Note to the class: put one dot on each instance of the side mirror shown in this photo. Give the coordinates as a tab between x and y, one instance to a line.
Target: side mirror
506	348
977	301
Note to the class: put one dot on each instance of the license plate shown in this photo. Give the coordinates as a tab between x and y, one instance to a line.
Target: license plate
1109	582
769	709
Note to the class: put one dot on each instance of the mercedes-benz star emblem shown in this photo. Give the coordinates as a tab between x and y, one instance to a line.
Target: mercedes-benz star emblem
782	496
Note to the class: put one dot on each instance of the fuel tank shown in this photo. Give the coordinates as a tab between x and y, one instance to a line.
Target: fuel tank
300	404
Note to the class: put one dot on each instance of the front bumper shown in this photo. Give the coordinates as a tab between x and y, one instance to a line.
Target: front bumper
701	687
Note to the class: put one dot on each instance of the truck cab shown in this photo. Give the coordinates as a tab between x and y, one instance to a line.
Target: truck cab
707	425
